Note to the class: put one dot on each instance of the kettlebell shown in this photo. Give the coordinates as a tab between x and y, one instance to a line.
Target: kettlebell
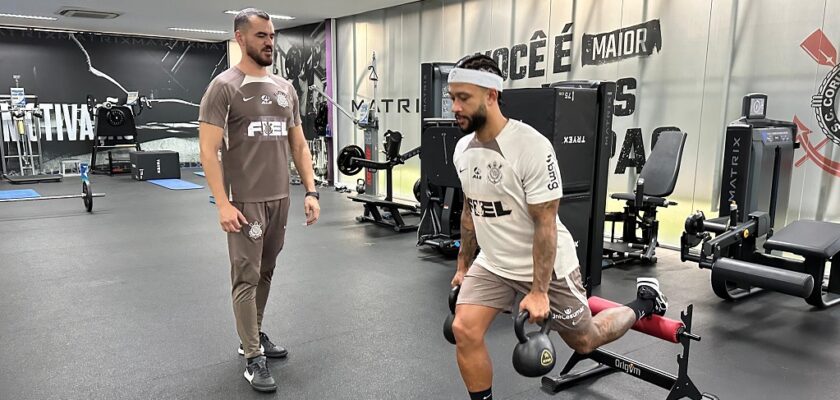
360	186
534	355
447	325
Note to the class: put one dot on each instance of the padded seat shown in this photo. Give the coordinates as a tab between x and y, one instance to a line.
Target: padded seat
657	201
807	238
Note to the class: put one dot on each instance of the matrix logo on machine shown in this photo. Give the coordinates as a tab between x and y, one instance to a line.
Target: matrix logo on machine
824	102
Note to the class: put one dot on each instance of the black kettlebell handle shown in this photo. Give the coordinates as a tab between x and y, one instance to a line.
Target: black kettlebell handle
519	325
453	298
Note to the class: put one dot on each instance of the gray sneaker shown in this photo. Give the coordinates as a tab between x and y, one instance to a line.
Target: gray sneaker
267	348
259	376
648	289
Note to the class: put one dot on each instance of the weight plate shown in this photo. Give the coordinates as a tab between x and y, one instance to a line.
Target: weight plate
345	156
417	189
88	199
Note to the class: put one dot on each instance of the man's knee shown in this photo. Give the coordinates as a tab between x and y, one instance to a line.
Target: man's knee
583	340
466	334
244	292
582	345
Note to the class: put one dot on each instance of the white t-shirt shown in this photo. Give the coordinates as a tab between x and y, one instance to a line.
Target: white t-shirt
500	179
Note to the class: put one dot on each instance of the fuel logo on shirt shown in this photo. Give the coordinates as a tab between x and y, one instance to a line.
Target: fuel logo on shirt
488	209
267	128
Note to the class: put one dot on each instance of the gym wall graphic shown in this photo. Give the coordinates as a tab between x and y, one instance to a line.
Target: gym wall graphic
824	102
62	69
300	56
677	64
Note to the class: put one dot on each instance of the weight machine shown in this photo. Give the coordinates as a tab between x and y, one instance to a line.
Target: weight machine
352	159
114	128
22	160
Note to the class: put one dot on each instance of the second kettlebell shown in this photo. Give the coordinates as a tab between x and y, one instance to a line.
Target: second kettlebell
447	325
534	355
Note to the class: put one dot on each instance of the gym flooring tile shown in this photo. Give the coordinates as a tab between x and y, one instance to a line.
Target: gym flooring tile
133	302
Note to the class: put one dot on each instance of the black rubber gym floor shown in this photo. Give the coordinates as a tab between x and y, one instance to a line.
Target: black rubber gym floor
133	302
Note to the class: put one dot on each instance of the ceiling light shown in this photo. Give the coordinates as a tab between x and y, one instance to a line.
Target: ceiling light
275	16
28	17
197	30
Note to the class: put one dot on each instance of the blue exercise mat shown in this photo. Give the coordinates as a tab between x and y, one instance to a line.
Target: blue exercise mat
175	184
199	173
18	194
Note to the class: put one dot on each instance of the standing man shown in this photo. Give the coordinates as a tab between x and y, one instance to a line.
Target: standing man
512	189
254	118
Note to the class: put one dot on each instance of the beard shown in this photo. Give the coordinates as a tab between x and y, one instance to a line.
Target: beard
259	57
474	122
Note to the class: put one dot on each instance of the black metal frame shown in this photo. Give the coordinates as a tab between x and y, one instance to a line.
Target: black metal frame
373	204
734	245
679	386
637	214
444	211
440	197
737	241
109	143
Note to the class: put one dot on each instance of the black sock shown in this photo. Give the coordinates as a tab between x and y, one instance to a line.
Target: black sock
482	395
250	360
642	307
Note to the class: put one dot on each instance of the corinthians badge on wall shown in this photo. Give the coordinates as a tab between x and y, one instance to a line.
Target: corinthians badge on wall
825	105
824	102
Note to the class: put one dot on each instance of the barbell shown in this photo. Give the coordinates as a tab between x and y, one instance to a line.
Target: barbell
87	196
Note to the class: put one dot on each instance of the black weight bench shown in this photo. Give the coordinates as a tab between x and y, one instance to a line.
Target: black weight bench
818	242
657	181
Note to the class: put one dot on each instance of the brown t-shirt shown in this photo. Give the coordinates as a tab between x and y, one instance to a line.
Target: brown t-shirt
256	113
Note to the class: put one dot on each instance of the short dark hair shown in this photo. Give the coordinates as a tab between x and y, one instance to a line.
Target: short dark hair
244	16
480	62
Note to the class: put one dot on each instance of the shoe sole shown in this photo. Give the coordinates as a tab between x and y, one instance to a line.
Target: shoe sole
264	390
282	355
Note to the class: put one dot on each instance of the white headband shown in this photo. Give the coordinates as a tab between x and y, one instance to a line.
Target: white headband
480	78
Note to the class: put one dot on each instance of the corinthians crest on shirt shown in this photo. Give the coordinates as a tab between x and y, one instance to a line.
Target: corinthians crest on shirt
494	175
282	99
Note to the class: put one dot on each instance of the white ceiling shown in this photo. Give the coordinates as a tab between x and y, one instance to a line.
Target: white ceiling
154	17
